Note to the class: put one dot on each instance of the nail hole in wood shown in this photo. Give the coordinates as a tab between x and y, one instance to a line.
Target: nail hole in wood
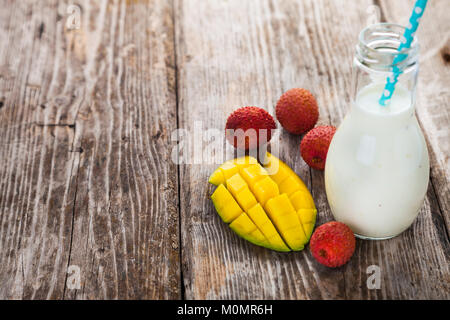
446	56
41	30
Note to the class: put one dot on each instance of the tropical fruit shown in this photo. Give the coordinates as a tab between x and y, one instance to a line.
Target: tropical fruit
268	205
333	244
315	144
297	110
249	127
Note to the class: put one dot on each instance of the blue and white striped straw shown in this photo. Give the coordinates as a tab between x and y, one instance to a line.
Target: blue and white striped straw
406	41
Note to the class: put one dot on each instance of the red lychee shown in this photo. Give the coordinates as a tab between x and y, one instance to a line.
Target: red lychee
249	127
332	244
297	110
315	144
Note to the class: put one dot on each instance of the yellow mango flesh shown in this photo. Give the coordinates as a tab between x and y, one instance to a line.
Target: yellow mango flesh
269	207
283	175
308	219
265	189
262	221
225	204
230	168
245	228
283	215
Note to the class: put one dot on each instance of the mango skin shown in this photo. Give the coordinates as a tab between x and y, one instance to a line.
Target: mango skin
268	206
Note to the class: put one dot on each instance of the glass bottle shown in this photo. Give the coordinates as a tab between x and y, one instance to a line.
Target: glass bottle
377	168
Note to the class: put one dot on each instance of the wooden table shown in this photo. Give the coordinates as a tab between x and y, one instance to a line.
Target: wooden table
90	99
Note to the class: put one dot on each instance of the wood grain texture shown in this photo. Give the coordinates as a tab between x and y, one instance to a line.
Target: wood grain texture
85	179
87	130
252	52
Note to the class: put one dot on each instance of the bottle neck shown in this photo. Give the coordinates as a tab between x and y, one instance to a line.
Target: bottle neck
378	45
375	60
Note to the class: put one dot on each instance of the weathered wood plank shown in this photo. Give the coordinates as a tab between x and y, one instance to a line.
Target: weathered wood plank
86	179
125	234
36	157
251	53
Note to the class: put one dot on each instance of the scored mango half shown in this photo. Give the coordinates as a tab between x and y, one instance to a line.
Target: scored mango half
268	205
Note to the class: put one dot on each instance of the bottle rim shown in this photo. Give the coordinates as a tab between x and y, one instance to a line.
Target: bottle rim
378	47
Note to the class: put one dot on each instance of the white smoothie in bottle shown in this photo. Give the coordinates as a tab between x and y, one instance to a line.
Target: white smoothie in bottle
377	166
